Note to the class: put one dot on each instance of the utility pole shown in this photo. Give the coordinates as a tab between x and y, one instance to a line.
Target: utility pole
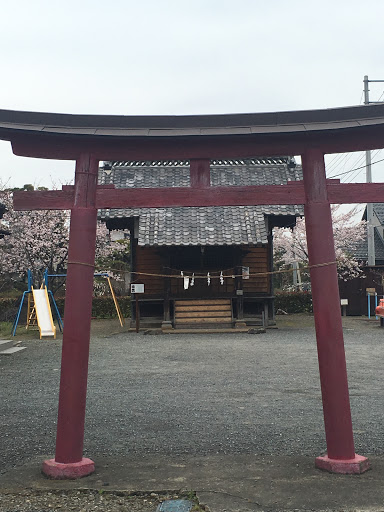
296	275
368	175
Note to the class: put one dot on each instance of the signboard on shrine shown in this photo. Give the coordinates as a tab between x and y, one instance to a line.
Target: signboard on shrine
137	288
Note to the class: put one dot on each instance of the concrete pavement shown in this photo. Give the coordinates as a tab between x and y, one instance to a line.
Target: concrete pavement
224	482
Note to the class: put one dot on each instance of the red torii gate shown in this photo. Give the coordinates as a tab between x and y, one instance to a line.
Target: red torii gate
89	139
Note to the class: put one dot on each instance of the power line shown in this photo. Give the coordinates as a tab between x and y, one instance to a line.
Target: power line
351	178
357	168
340	159
335	157
359	161
332	166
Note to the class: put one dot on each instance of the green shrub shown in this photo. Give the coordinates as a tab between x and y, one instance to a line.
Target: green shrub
294	302
103	307
8	308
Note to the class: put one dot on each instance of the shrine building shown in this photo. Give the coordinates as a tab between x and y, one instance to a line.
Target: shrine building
186	257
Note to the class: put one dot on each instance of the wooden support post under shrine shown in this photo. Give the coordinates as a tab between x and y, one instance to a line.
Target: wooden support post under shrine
340	457
69	461
167	321
239	323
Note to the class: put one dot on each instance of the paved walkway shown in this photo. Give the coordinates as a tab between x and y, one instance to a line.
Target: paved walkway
224	482
235	417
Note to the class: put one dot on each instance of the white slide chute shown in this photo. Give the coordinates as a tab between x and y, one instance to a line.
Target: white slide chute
43	312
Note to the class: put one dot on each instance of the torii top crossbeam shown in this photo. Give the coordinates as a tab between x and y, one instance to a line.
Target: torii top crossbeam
64	136
88	139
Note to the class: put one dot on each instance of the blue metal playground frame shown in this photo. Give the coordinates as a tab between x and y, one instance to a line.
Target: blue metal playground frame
50	294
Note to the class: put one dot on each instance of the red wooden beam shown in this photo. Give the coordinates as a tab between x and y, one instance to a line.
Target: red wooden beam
107	197
199	147
292	193
164	197
44	200
48	199
347	193
209	196
200	173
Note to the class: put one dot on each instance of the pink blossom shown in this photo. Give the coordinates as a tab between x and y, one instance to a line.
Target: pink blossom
39	240
291	244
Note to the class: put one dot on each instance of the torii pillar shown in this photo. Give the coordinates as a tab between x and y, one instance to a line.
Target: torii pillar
69	461
340	456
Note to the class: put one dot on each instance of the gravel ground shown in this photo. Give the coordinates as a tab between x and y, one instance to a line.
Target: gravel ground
193	394
81	501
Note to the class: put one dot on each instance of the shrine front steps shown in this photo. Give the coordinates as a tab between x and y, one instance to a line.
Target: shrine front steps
147	322
8	348
207	314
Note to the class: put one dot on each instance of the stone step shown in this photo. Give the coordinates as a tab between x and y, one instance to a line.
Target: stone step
12	350
203	313
206	325
204	330
4	344
148	322
199	302
253	321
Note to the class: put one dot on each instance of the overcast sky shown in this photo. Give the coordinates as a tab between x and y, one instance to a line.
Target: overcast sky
185	57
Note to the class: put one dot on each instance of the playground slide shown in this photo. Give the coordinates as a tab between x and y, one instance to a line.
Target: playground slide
43	312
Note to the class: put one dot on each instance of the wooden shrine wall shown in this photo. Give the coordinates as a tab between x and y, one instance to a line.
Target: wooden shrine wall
149	260
257	261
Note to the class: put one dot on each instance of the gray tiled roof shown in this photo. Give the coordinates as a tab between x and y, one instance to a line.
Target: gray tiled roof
361	251
229	225
378	208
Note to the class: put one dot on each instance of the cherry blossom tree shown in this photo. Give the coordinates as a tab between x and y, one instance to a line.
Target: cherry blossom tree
39	240
290	245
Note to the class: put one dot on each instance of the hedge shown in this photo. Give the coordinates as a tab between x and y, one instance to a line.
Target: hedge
102	307
294	302
8	309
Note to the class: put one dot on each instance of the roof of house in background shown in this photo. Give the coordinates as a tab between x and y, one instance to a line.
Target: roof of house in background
378	210
228	225
3	231
361	252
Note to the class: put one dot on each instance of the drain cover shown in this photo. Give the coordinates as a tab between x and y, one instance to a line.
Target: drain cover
175	506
